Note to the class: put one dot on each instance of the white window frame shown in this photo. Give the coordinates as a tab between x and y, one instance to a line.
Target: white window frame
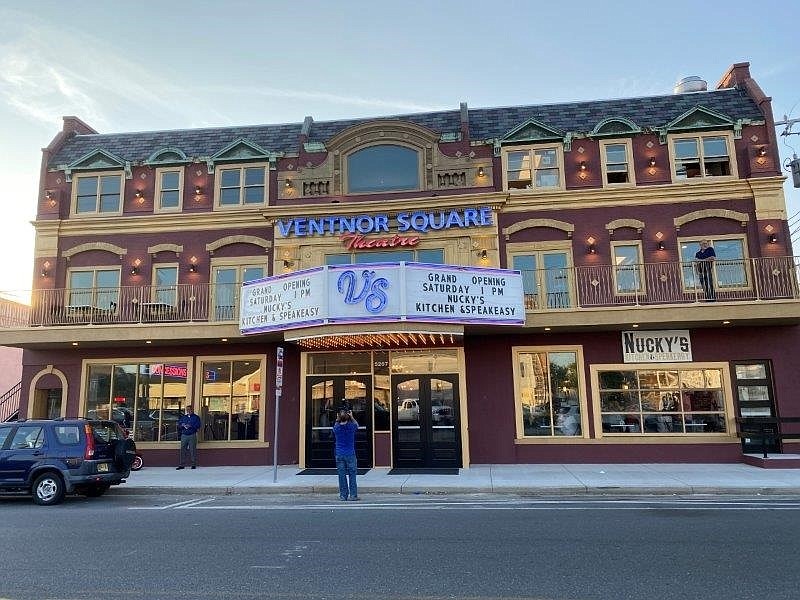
639	268
159	189
531	149
241	167
96	213
94	289
540	249
156	288
583	401
713	238
730	145
628	162
240	263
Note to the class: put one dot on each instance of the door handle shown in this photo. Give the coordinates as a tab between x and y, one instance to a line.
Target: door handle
38	453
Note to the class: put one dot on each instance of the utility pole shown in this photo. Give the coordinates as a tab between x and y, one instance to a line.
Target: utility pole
794	164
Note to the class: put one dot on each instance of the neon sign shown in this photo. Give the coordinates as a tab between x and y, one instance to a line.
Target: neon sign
420	221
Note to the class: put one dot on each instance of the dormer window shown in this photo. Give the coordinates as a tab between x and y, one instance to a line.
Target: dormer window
383	168
242	186
701	156
536	168
97	194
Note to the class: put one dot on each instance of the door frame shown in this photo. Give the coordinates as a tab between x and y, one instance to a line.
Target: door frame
773	445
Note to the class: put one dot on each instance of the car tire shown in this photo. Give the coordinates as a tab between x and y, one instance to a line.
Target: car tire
48	489
95	491
124	454
137	463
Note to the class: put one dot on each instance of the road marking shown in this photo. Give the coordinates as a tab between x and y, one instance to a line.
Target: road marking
181	504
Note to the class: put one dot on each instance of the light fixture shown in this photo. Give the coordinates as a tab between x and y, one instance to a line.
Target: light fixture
193	265
762	151
287	264
148	342
74	343
660	245
50	197
635	326
652	161
547	329
484	254
583	165
289	184
225	340
139	196
772	238
45	268
198	191
481	172
726	322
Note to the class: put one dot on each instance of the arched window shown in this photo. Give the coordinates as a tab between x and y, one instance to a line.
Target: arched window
383	168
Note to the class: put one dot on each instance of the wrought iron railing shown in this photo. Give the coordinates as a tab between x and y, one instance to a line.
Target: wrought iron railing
555	289
9	402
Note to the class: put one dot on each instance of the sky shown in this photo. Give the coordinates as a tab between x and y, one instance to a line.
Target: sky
146	65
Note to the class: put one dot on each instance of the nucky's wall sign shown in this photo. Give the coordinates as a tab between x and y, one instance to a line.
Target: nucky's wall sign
420	221
673	345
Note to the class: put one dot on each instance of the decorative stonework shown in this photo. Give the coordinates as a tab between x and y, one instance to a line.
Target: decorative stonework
620	223
709	213
89	246
568	228
153	250
237	239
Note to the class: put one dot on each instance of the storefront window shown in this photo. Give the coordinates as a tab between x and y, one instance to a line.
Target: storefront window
425	361
146	398
547	393
231	404
339	363
662	401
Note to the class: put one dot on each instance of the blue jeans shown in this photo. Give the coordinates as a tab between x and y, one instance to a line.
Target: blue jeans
346	466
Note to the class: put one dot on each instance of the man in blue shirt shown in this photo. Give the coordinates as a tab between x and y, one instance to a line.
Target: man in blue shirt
705	269
344	430
188	426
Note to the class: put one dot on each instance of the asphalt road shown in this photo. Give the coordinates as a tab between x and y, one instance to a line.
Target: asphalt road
410	547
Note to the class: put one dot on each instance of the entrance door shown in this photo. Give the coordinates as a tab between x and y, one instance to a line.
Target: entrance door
426	431
754	392
324	395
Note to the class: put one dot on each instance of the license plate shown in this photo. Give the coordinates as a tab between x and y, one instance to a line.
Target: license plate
102	468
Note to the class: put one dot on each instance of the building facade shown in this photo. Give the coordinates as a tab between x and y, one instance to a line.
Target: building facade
624	348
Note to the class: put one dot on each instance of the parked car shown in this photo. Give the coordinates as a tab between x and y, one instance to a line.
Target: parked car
49	459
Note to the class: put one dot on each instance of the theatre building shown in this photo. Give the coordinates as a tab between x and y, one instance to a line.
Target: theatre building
480	285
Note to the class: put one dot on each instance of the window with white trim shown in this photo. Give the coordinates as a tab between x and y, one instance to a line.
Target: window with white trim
169	189
536	168
93	288
545	278
628	276
165	285
242	186
701	156
616	161
547	392
227	281
730	266
97	194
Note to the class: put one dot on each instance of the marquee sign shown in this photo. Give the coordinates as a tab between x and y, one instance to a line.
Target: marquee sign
382	292
353	231
672	345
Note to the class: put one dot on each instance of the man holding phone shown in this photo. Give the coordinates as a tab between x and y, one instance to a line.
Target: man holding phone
344	430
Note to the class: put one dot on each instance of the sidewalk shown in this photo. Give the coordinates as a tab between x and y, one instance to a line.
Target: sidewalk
678	479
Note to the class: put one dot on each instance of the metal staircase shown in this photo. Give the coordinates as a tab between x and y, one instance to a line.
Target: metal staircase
9	403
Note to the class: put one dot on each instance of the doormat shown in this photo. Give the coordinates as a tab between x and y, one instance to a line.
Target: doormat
423	472
327	471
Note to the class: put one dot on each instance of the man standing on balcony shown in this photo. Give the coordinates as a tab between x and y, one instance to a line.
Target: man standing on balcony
188	426
705	269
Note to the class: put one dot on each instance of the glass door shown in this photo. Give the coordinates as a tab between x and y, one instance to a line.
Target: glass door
426	432
755	398
325	394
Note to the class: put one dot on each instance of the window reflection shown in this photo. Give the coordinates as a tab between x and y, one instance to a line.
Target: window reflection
231	400
548	391
383	168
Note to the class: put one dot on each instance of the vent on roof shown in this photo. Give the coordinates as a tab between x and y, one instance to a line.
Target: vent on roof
692	83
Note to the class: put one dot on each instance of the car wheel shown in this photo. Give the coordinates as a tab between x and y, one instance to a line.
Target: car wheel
137	463
124	454
48	489
95	491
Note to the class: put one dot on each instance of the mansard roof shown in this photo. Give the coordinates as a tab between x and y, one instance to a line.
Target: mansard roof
485	124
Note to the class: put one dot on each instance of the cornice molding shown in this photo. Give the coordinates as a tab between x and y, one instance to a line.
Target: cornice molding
707	213
569	228
89	246
238	239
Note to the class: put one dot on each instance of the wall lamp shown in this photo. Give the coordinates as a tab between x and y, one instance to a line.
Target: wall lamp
481	172
139	196
289	184
772	239
762	151
287	264
198	191
193	265
652	161
45	268
660	245
484	254
51	199
582	166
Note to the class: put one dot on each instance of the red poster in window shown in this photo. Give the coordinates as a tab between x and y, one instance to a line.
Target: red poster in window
256	387
119	399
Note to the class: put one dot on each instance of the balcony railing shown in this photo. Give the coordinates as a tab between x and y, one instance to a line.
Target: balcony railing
556	289
661	283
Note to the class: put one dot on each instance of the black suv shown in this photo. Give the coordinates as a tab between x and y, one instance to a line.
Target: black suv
52	458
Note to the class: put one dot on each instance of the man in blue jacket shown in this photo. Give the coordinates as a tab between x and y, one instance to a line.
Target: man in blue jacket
345	430
188	426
